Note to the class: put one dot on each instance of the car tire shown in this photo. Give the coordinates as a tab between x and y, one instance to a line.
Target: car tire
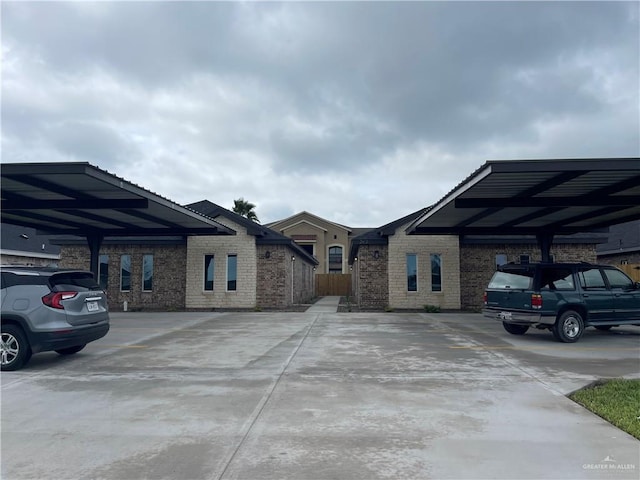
70	350
569	327
514	329
604	328
15	350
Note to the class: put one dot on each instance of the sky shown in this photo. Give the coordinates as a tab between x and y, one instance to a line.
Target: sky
358	112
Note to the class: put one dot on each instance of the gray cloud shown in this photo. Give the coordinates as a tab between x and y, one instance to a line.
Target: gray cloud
382	104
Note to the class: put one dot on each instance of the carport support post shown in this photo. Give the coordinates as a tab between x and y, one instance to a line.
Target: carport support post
545	240
95	240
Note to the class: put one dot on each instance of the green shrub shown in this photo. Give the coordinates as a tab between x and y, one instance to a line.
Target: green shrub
431	308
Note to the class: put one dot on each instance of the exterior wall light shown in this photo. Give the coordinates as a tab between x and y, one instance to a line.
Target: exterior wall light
376	254
293	258
267	254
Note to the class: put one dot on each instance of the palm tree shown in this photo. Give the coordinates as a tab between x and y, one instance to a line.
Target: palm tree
244	208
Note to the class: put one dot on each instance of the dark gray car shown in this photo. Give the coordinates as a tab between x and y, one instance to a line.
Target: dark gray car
45	309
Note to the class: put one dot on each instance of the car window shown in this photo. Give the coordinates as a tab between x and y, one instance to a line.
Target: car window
556	278
519	279
591	278
618	279
75	281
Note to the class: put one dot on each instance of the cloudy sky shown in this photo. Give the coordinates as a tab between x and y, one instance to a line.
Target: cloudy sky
357	112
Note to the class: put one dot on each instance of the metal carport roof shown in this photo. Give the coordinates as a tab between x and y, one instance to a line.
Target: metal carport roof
538	197
77	198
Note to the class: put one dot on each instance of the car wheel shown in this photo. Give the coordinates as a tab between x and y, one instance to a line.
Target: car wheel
604	328
70	350
15	351
569	327
514	329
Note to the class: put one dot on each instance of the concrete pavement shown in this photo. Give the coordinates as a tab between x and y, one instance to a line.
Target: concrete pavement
317	396
325	305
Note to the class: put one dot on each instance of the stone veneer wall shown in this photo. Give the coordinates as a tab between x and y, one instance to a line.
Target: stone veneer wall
447	246
220	246
282	281
370	279
168	274
478	263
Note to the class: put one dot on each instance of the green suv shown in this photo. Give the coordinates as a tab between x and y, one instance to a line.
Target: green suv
562	297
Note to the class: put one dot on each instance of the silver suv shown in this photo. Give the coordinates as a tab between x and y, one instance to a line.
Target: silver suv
45	309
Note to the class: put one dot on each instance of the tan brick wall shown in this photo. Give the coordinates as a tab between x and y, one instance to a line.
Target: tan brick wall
478	263
168	274
220	246
447	246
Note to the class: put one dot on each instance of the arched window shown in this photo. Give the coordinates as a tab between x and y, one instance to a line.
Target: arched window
335	259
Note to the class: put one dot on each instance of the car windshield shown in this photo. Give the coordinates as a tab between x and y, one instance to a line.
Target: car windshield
518	279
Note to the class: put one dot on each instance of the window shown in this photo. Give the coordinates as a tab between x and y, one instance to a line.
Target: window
335	259
501	259
412	272
147	273
591	278
232	272
556	278
103	271
617	279
436	273
208	273
125	273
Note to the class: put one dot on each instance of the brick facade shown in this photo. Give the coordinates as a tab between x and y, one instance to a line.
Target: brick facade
282	281
221	246
370	279
423	246
478	263
620	258
168	291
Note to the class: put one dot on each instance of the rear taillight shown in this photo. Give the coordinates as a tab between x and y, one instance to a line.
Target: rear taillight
536	301
55	299
484	298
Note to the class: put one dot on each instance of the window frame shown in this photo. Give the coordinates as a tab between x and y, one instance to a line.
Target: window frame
145	258
408	272
232	282
438	256
122	270
211	258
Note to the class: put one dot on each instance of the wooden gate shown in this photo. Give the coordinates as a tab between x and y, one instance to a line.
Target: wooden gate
333	284
631	269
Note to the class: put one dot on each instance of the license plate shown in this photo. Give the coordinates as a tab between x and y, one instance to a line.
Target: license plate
505	315
93	306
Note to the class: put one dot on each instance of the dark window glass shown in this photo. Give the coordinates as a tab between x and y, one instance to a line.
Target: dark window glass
147	273
436	273
513	279
232	272
524	259
412	272
308	248
617	279
591	278
103	271
74	281
208	272
501	259
335	260
556	279
125	273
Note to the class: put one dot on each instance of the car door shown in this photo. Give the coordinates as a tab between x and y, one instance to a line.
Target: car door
596	295
626	297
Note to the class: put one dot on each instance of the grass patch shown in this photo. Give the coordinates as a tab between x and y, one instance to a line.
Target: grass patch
617	401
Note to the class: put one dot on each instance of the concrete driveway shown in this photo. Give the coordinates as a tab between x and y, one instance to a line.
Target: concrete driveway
317	396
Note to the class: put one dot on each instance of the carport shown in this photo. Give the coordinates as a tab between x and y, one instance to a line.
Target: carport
77	198
538	197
